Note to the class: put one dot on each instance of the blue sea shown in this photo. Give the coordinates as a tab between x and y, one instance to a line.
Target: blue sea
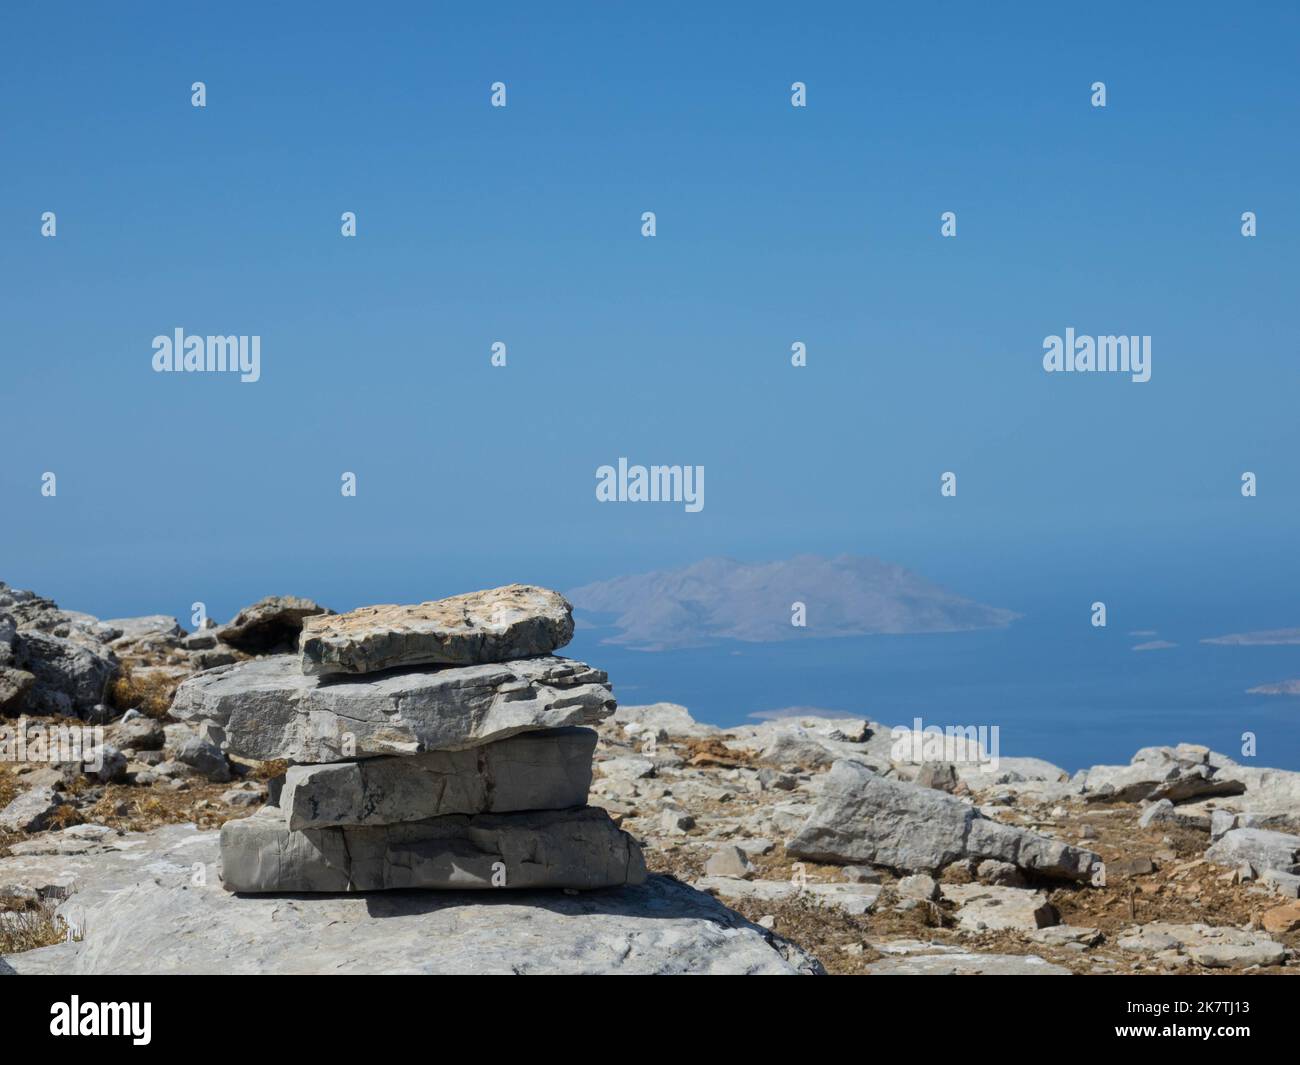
1056	689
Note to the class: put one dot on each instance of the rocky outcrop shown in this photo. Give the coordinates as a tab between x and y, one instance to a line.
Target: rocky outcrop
52	661
266	708
69	678
812	741
270	626
14	687
661	720
517	621
1270	797
1175	773
152	903
61	662
34	613
864	817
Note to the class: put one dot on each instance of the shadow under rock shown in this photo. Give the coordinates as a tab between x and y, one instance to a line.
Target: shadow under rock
660	897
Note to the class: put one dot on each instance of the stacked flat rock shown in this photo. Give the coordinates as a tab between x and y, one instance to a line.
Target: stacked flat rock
440	745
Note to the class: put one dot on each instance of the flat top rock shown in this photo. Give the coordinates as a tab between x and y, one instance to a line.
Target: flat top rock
997	907
266	708
496	625
142	911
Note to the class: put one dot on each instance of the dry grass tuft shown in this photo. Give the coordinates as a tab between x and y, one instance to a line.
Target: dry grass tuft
129	808
8	787
149	692
64	816
269	770
29	925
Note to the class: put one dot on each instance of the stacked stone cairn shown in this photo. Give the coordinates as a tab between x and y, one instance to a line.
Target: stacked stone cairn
440	745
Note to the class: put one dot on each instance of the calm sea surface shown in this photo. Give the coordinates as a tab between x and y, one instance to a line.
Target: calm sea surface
1076	698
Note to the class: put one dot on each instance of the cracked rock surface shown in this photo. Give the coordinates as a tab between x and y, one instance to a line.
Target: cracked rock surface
517	621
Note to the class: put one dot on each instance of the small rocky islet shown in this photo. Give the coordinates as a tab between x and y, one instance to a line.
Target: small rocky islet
437	790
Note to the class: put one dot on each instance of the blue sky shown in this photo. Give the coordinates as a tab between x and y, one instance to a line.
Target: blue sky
775	224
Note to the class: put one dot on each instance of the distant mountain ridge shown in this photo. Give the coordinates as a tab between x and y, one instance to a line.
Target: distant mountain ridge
721	599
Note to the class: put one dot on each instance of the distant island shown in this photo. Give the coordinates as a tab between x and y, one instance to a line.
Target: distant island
722	599
1282	687
1262	638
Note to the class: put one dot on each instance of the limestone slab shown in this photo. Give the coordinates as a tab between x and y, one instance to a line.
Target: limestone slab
999	908
864	817
266	708
580	849
516	621
546	770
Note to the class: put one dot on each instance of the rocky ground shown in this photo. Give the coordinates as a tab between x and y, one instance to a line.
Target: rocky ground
813	829
720	809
